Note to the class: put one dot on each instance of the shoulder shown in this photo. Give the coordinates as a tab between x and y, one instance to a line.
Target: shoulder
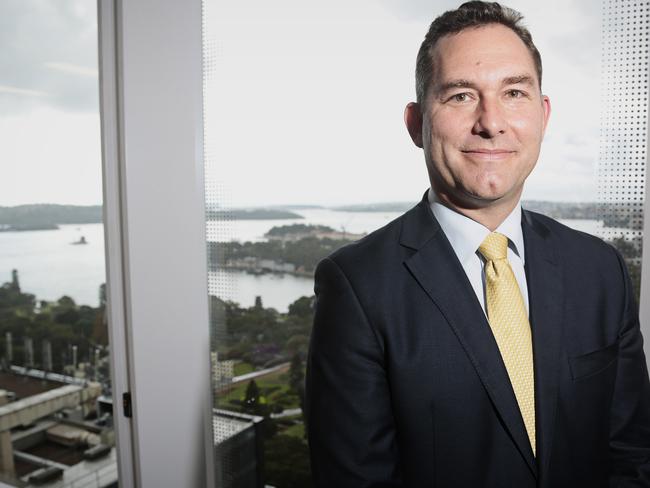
565	233
372	255
575	247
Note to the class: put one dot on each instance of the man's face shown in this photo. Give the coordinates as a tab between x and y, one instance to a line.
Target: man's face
483	119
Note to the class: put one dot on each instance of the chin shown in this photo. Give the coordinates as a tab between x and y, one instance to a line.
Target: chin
487	192
491	190
486	197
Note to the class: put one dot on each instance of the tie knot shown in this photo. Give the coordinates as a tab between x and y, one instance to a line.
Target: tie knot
495	246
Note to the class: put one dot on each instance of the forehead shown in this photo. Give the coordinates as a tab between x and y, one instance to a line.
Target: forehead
486	53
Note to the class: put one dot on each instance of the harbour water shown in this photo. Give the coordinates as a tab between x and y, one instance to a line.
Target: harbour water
50	265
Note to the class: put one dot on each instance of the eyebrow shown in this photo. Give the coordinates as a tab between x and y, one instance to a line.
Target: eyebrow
510	80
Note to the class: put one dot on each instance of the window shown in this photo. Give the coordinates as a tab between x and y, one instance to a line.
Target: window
54	336
305	150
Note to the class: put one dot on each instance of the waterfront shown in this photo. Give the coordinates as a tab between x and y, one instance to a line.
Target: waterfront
50	266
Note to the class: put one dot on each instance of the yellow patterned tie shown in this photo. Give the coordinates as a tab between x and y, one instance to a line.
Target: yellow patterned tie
509	323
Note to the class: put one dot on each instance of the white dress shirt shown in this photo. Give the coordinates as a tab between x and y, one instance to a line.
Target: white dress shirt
466	235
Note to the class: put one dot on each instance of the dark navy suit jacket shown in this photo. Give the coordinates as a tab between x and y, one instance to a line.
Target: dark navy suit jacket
406	387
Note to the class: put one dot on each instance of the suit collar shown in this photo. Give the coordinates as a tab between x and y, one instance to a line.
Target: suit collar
466	235
418	225
534	229
436	268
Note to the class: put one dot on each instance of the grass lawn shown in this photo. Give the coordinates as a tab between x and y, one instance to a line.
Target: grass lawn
297	430
243	367
273	386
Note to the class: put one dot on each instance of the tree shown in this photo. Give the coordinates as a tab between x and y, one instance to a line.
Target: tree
286	461
298	344
100	329
297	379
252	398
627	249
65	302
302	307
12	300
296	374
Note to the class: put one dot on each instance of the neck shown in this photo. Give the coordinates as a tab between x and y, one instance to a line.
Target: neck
490	216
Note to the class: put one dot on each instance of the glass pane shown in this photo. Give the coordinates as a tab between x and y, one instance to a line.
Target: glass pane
53	330
624	129
306	151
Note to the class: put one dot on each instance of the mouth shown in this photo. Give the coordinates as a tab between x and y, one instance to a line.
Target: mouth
488	154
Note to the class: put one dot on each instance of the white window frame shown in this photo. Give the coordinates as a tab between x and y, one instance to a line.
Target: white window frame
154	214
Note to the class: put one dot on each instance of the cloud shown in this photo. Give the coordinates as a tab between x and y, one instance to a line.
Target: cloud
49	56
417	10
21	91
574	35
343	70
73	69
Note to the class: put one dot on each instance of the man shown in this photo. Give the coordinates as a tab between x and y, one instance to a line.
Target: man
470	343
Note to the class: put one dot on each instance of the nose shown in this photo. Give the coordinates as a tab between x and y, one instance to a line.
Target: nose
490	120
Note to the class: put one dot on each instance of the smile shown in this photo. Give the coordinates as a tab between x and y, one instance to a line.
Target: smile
488	154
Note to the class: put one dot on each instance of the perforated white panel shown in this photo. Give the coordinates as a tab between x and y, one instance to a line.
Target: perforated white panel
624	126
218	230
218	221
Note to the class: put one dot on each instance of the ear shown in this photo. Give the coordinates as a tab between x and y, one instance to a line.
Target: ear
546	105
413	121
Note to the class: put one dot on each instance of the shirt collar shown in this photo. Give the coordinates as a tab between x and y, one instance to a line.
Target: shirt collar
466	235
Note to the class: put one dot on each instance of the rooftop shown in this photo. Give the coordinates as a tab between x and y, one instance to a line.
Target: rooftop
24	386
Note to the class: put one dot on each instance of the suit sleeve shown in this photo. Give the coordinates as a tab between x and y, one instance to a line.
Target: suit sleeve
350	424
630	415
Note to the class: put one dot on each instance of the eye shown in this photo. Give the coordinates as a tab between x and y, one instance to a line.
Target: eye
460	97
515	94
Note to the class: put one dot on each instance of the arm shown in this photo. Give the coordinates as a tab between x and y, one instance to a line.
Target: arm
630	415
349	418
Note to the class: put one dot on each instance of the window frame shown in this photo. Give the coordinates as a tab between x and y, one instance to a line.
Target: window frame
151	88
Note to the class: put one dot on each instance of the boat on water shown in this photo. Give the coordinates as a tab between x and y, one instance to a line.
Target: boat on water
82	240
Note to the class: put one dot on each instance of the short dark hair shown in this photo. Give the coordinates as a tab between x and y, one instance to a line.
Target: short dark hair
469	14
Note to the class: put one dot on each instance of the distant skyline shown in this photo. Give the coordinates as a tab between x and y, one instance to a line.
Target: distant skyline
308	107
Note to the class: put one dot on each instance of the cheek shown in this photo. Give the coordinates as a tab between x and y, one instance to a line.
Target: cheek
446	135
529	127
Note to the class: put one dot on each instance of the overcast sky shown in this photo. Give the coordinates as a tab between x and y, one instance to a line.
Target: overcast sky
305	107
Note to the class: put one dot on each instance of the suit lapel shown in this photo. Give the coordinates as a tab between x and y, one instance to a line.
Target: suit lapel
436	268
545	289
